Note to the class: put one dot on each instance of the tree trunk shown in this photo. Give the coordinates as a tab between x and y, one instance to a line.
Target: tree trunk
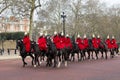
31	19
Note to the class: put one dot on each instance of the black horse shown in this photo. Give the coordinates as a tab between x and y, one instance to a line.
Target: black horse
52	53
103	49
23	53
75	50
37	52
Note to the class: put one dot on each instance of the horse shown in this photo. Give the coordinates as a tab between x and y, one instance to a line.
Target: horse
37	52
103	49
52	53
23	53
92	49
75	50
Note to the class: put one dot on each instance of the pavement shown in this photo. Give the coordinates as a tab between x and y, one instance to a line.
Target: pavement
100	69
5	56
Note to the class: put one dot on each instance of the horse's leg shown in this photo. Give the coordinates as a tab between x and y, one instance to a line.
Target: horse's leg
32	58
78	56
84	55
59	59
23	59
66	58
96	52
117	51
101	53
35	60
55	60
88	54
72	56
81	53
92	55
38	60
112	53
106	54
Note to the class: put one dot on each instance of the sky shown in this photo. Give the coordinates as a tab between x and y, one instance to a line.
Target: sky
108	2
111	2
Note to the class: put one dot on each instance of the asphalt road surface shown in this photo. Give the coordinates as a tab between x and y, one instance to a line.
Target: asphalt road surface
86	70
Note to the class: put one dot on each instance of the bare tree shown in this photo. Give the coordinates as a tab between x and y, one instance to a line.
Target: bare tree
26	8
4	5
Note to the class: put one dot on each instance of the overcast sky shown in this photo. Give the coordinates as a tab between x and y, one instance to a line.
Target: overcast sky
111	2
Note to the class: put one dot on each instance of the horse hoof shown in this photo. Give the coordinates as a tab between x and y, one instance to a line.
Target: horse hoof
25	64
40	62
59	64
35	66
54	66
65	63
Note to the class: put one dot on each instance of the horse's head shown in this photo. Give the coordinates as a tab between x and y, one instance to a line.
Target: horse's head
103	45
19	43
33	44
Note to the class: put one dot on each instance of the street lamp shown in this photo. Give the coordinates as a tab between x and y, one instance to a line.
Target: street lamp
63	16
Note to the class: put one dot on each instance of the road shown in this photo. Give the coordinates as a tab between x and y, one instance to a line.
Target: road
86	70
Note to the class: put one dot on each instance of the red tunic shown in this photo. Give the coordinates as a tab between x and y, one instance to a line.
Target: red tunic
68	43
42	43
62	41
26	42
94	43
85	41
80	43
114	44
98	41
57	41
108	42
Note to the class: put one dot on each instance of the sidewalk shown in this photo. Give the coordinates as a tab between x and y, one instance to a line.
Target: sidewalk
11	56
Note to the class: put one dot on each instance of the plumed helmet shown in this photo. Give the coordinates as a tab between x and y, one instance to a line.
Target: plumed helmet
46	34
62	34
55	33
41	34
25	33
108	37
78	36
93	35
85	36
98	36
113	37
67	35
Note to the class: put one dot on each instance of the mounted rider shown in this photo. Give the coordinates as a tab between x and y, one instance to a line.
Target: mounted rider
114	43
62	40
95	42
85	41
108	42
26	42
42	42
56	40
68	43
80	42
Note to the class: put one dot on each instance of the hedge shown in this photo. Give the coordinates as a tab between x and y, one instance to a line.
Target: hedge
11	35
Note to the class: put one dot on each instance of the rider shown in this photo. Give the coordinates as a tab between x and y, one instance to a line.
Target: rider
68	42
26	42
85	41
80	43
108	42
56	40
94	42
42	42
62	40
114	44
98	40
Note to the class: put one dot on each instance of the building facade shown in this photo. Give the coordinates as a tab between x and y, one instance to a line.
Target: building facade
14	24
